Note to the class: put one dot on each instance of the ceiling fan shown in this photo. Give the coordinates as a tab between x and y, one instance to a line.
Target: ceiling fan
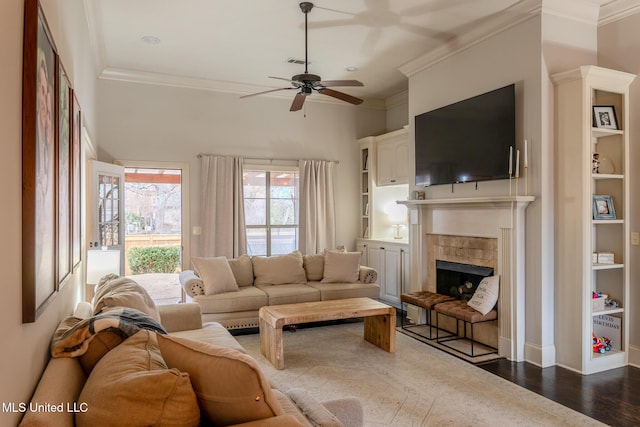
306	83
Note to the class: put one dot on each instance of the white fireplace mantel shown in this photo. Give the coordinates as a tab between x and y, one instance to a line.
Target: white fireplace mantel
500	217
490	202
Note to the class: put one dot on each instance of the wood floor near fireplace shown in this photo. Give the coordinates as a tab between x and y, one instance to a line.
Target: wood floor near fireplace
612	397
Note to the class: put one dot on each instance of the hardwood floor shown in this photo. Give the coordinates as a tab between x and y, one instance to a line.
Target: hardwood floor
612	397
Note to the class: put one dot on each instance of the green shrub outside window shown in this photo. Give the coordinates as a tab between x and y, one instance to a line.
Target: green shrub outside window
153	259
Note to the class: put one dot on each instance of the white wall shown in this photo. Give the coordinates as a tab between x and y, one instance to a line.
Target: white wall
149	122
618	49
26	346
524	55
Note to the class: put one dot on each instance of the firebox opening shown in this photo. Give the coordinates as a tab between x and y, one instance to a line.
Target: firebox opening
459	280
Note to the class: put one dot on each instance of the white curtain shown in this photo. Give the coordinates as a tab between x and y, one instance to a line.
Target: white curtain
317	206
222	207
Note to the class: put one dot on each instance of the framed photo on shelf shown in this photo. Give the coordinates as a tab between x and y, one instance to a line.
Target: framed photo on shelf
603	207
604	116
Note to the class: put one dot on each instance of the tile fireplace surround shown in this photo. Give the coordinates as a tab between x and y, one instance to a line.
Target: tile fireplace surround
486	231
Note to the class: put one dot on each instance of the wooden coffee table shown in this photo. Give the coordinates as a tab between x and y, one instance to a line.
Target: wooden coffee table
379	322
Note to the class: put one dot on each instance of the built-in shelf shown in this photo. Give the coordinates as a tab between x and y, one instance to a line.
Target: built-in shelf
607	311
578	235
608	221
602	132
607	266
607	176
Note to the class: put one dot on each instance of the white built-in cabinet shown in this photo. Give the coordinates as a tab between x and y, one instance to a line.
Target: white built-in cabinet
392	158
582	231
391	261
384	172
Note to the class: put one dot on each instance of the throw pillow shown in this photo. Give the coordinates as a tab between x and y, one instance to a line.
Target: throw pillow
131	385
486	296
279	269
341	267
242	269
229	385
216	275
313	266
116	291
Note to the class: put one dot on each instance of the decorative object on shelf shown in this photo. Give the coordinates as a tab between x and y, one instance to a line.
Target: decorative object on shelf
597	302
595	163
603	207
606	258
366	161
604	116
606	166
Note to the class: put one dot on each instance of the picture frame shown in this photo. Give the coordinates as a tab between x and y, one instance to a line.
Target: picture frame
604	116
39	167
76	182
603	207
64	176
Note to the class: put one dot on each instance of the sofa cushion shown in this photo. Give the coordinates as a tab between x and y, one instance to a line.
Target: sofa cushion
216	275
279	269
313	266
242	269
116	291
212	333
341	266
290	294
330	291
245	299
133	379
230	387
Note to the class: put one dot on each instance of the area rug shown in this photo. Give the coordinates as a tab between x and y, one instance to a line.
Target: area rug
458	348
416	386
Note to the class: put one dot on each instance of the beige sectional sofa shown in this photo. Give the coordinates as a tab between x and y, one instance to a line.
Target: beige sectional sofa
232	291
190	374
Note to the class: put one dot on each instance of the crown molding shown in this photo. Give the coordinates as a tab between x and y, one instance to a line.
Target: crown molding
143	77
592	12
516	14
617	10
93	13
397	99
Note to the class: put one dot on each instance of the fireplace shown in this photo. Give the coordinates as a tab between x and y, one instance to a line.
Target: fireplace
459	280
486	231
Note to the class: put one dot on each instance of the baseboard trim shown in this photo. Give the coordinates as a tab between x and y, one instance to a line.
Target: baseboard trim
634	356
542	356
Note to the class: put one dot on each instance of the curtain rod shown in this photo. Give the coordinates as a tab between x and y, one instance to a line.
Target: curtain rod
270	160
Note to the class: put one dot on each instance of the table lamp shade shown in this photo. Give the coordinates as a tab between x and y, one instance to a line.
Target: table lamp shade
101	263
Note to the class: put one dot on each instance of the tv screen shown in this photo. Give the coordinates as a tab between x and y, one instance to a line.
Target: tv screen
467	141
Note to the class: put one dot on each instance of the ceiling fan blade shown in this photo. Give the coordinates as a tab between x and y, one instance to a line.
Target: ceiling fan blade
267	91
341	96
285	79
298	102
329	83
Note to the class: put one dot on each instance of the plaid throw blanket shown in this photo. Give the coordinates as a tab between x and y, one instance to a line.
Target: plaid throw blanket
73	336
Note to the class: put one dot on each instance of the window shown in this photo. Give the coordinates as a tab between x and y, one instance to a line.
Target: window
271	210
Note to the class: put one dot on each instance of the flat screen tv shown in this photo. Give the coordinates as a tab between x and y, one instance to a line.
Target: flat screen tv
467	141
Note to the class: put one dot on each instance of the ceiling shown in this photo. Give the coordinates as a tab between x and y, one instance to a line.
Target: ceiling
234	45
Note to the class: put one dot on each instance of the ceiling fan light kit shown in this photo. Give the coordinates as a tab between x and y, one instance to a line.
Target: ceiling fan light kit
306	83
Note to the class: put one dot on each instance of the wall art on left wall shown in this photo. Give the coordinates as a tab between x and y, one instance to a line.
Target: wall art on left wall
51	168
